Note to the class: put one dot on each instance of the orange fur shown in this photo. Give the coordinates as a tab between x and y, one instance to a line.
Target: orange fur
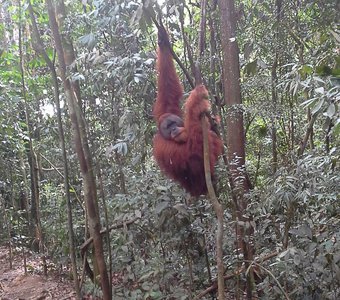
181	158
169	88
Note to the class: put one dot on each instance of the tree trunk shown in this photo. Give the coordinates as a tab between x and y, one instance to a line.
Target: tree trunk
274	118
35	226
66	57
39	47
235	133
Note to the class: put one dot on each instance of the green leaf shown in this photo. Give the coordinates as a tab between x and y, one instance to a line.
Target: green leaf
306	70
88	40
330	110
161	206
336	128
320	90
318	106
309	102
251	68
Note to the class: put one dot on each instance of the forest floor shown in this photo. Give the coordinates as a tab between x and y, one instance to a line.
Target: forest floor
16	285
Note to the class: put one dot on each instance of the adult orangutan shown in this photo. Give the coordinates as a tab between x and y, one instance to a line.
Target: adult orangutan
178	144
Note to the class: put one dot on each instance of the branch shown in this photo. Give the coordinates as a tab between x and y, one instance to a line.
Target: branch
174	55
84	246
308	132
217	208
235	274
62	176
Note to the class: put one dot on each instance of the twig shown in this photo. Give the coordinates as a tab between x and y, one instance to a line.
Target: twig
174	55
104	230
62	176
271	275
234	274
218	208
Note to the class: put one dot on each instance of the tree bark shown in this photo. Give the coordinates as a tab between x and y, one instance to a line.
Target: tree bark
235	133
274	118
218	208
35	226
38	45
66	57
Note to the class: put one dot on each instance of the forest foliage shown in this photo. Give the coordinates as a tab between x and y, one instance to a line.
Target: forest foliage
160	247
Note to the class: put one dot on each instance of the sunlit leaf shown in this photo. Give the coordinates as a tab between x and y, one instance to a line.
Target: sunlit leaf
330	110
318	106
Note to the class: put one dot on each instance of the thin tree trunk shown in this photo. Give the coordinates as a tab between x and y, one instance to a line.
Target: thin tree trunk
24	189
66	57
278	15
218	208
305	94
291	143
235	134
327	139
307	135
32	160
274	118
39	47
311	136
102	196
